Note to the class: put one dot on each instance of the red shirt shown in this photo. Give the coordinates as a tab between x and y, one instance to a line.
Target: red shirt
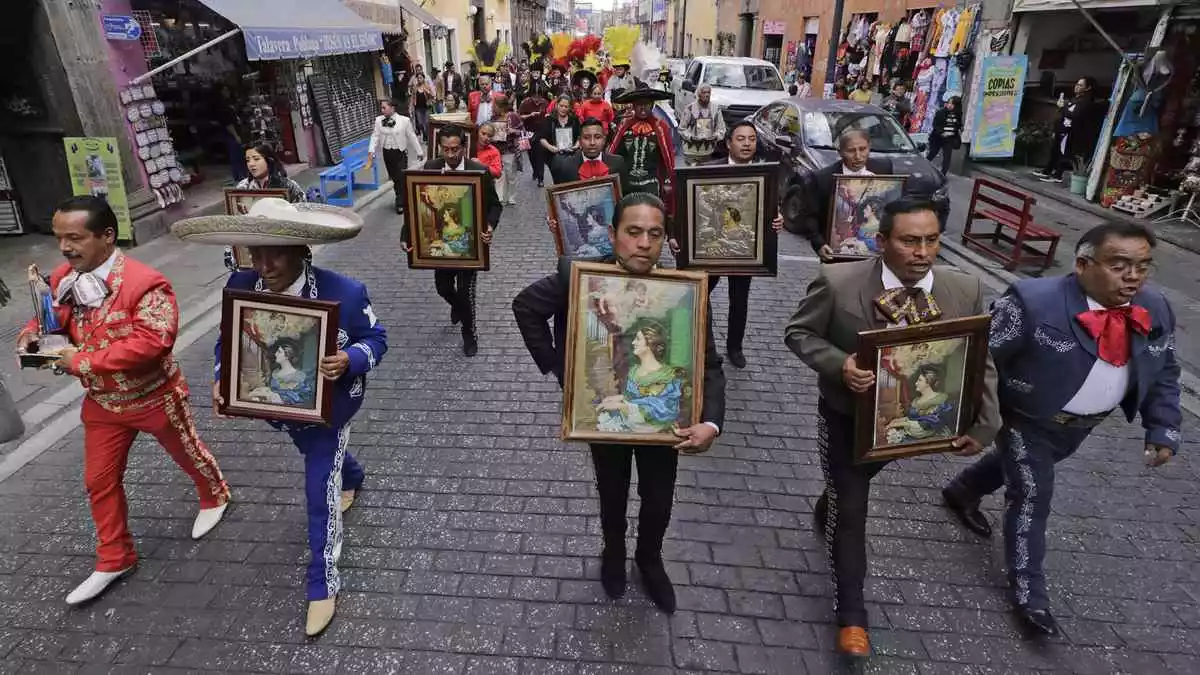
601	110
490	157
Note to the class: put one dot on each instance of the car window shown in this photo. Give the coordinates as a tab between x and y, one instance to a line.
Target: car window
742	76
789	121
694	73
821	130
766	117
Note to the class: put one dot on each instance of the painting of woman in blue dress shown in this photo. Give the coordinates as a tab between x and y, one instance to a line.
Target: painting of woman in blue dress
651	397
287	384
857	210
584	215
455	240
931	414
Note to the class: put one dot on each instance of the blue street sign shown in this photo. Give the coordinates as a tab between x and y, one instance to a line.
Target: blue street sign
117	27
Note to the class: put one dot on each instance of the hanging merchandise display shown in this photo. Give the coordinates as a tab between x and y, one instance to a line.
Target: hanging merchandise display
146	115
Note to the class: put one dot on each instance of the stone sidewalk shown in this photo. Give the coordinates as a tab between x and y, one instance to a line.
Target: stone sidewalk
473	548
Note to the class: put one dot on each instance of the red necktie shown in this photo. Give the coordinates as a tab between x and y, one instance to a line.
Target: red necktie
1110	329
592	168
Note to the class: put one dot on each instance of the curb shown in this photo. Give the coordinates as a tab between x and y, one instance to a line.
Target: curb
58	414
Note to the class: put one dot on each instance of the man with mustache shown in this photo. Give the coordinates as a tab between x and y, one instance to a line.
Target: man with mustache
122	318
1070	350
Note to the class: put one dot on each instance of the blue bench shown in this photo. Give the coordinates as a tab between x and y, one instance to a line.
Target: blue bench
354	159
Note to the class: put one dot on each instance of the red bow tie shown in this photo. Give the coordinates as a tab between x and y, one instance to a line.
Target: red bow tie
1110	329
592	168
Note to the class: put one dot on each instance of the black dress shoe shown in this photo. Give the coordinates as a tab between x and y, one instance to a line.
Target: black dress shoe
737	358
470	346
612	574
657	584
1038	621
968	513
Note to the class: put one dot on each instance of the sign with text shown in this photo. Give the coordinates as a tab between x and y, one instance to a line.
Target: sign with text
774	27
273	44
95	168
997	106
117	27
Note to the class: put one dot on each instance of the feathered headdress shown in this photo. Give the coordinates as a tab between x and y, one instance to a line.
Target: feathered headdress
560	45
488	55
645	58
620	41
536	50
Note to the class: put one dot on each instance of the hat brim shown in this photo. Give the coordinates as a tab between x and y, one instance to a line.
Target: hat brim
641	94
341	225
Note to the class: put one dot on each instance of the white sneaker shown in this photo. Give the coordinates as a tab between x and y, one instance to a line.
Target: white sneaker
207	519
94	585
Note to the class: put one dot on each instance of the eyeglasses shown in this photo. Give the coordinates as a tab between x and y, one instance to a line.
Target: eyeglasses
1142	269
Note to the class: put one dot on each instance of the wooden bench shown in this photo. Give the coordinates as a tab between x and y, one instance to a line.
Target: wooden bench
1007	209
354	159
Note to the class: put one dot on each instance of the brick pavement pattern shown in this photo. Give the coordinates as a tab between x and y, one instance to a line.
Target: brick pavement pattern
473	548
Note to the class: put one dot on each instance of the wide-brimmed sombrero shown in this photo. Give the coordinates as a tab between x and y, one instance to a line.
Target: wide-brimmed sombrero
641	94
273	222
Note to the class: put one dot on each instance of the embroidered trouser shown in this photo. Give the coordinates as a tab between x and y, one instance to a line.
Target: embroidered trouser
739	301
656	467
457	288
847	489
107	437
328	469
1023	462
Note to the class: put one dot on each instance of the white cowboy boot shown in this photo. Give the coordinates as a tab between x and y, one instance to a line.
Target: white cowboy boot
95	585
207	519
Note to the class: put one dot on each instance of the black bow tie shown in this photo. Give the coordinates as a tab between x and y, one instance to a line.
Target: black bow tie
389	122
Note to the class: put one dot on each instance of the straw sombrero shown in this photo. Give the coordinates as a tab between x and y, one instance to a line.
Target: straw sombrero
273	222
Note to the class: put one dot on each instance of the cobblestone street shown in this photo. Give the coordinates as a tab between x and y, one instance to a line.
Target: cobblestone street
474	546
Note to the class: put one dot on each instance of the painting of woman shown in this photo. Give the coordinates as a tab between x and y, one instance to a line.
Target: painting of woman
931	412
593	230
287	384
455	239
650	399
865	226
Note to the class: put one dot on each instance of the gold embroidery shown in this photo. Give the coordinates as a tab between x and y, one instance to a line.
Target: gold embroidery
116	316
157	311
179	414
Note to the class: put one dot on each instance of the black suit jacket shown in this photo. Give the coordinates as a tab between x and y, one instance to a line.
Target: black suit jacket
565	168
545	302
456	84
820	192
492	208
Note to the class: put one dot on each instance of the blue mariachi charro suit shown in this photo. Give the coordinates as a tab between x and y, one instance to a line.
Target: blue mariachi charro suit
1043	356
328	467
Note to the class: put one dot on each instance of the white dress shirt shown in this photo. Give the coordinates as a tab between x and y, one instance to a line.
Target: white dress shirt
861	172
105	267
401	136
891	281
297	286
1104	388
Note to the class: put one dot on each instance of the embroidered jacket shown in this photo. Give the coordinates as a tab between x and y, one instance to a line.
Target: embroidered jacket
124	358
1044	356
359	334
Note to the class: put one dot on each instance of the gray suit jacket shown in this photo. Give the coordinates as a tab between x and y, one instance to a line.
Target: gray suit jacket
840	303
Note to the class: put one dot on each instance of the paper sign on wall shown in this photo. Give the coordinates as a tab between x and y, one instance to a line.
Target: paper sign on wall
95	168
997	106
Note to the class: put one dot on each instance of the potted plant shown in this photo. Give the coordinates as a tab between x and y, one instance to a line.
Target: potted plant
1032	144
1080	170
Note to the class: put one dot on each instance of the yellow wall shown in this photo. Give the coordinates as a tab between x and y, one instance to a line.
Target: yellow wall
700	20
453	13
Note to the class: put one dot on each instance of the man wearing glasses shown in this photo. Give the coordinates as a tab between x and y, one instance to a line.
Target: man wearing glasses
1070	350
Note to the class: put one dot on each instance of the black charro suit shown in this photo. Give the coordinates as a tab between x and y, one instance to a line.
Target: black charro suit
541	314
565	168
820	193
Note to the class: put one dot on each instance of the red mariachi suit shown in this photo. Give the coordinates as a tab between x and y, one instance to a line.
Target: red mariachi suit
133	385
473	99
631	127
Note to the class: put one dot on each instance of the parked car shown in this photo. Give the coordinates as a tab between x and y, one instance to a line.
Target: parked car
801	133
740	86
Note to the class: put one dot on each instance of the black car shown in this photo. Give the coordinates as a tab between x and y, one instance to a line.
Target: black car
801	133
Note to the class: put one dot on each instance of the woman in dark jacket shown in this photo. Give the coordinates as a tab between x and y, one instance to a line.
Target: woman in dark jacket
946	136
1077	131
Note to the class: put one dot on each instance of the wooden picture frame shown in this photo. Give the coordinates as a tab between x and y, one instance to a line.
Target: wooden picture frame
725	214
928	386
653	341
470	137
583	210
238	203
271	349
855	208
441	203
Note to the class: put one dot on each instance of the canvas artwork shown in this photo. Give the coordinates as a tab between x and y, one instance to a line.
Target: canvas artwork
635	362
444	216
856	210
238	203
726	213
272	352
584	210
435	127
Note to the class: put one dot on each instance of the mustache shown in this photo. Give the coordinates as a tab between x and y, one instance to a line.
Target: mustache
72	256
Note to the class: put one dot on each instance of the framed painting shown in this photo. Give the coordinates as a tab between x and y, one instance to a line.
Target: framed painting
583	210
238	203
271	350
470	137
854	213
445	220
928	385
725	215
635	351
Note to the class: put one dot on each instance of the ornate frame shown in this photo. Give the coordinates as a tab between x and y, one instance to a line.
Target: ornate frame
553	191
765	261
418	178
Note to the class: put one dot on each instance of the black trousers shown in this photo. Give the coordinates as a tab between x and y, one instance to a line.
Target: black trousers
1058	162
847	486
938	144
739	302
537	159
457	288
656	466
396	163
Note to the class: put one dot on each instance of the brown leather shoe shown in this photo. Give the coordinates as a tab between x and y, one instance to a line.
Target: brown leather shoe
853	641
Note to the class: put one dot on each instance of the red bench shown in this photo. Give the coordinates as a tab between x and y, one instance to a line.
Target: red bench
1007	210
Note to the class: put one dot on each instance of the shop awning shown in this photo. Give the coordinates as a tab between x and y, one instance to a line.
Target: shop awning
298	29
1062	5
386	13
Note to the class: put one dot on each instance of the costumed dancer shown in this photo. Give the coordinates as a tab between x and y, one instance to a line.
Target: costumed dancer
644	142
900	287
636	235
620	41
332	476
1070	351
487	55
560	65
122	319
457	287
